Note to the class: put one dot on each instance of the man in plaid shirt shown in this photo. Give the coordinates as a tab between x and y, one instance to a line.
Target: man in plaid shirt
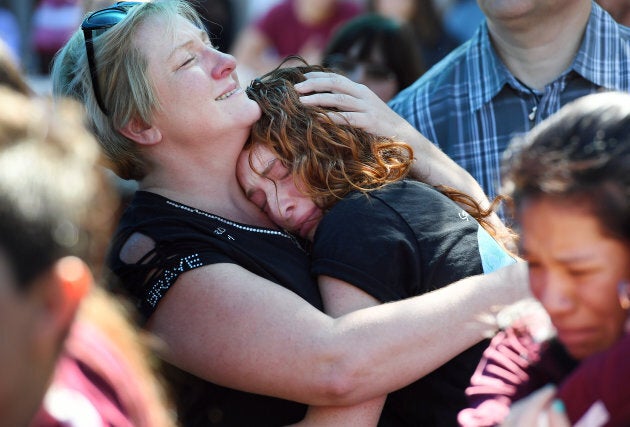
525	61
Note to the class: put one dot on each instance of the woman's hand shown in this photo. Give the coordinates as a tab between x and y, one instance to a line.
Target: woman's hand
357	105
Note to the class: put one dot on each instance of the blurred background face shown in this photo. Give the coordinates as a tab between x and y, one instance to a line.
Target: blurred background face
574	272
313	11
371	71
398	10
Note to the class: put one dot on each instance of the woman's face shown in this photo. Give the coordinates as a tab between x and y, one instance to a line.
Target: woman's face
574	271
372	72
196	84
272	188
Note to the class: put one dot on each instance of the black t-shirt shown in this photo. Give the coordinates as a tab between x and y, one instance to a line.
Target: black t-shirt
186	238
401	241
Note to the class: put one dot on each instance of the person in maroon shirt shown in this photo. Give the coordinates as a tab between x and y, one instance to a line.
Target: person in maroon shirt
570	184
292	27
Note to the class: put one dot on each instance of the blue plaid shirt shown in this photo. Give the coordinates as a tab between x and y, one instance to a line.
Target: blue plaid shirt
470	105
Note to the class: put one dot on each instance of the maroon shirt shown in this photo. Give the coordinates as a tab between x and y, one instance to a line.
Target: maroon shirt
600	386
515	365
287	35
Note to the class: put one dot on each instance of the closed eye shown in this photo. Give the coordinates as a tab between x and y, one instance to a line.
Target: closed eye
277	171
188	61
259	199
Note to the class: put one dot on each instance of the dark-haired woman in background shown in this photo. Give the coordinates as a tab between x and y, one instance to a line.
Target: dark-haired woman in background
422	18
378	52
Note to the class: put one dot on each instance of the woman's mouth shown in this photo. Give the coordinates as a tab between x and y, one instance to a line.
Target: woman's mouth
228	94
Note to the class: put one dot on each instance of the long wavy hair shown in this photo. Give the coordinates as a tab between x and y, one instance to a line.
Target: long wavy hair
329	160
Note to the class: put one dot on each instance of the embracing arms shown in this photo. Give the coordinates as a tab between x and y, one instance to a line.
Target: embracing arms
229	326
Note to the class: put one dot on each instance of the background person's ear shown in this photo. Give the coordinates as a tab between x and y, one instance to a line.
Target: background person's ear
141	132
67	283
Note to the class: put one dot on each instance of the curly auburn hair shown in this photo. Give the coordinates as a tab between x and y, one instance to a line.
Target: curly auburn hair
329	160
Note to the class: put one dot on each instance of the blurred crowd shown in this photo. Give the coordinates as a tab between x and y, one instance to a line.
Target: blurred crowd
34	30
261	33
488	108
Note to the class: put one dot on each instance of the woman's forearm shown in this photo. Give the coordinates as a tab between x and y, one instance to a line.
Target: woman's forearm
385	355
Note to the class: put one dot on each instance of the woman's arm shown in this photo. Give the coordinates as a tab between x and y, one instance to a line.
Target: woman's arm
229	326
361	107
340	298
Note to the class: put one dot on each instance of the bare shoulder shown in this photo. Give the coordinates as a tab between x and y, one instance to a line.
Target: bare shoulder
137	246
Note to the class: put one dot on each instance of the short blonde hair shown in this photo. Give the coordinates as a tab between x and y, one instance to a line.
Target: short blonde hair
125	87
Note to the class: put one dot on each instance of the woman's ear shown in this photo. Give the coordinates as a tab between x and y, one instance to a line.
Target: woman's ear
141	132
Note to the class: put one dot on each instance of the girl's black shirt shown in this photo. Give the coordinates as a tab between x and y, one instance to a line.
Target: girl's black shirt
403	240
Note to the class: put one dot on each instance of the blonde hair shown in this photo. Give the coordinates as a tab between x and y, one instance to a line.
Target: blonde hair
54	201
125	87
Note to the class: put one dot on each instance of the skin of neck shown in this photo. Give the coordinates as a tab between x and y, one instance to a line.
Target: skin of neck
202	179
30	395
537	49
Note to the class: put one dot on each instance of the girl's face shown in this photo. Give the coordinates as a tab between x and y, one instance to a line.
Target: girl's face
197	85
272	188
574	271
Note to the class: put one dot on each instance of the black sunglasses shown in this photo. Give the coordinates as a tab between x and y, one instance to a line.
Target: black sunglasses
102	20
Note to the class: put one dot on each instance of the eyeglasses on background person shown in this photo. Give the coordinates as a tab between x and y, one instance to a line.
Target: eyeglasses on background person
355	67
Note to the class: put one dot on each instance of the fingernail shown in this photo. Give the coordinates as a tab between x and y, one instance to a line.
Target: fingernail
558	406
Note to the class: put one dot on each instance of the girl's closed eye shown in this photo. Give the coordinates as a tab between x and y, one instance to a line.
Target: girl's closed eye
278	171
259	199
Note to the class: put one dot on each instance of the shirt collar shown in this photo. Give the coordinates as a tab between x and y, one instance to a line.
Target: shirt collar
604	49
486	74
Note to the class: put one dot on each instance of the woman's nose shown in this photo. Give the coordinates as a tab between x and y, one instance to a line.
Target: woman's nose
224	64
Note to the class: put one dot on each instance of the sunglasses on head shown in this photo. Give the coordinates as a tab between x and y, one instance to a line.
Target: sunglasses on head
99	21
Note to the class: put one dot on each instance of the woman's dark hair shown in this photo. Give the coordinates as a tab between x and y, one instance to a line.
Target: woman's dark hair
580	155
371	32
